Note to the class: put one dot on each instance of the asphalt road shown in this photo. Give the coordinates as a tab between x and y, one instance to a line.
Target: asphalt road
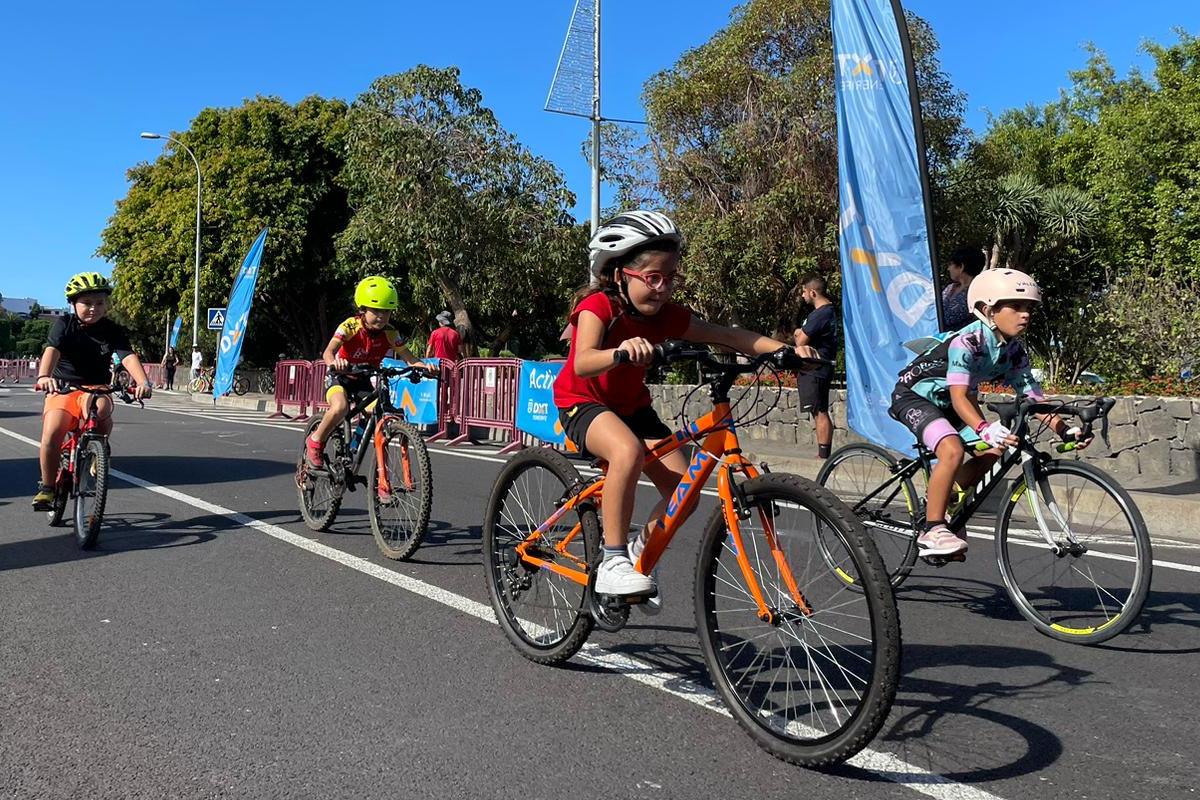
211	646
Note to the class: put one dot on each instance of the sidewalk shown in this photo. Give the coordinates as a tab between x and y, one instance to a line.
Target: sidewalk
250	400
1171	510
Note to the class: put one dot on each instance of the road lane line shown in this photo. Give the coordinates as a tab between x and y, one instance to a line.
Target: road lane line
882	764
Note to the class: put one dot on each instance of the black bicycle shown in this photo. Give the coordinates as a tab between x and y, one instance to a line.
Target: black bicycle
1073	550
400	482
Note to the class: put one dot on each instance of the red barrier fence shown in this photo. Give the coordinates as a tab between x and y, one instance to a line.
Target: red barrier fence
10	371
292	388
447	398
487	398
156	374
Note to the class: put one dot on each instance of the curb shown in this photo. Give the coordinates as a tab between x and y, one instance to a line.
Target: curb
1166	516
250	401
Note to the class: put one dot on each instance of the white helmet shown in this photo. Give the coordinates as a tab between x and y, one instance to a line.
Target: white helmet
628	230
996	285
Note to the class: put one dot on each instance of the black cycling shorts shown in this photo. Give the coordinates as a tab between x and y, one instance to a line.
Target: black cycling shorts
355	386
814	390
644	422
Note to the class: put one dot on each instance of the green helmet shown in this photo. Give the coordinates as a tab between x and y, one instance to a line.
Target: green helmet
86	282
376	292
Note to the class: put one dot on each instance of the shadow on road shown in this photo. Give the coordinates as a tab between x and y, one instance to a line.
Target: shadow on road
189	469
120	533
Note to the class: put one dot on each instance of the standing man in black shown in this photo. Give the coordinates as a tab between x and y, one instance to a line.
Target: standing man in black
819	331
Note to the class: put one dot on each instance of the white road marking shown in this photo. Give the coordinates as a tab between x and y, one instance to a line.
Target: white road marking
884	765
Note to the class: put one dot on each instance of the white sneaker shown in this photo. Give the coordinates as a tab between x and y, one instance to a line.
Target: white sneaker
654	605
617	576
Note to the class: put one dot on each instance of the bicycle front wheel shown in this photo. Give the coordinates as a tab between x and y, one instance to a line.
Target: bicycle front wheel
91	469
1089	582
400	508
196	386
859	475
320	489
542	612
241	385
813	683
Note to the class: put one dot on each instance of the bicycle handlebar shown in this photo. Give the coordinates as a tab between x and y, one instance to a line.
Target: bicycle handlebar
121	392
674	350
414	374
1023	407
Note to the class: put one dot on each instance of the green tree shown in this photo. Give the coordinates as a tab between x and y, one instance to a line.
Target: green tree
742	135
455	208
264	163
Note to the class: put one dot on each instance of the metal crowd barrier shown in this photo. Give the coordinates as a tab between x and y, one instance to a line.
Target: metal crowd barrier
292	388
447	398
487	398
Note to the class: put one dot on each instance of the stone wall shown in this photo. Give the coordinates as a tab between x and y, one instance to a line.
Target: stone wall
1154	437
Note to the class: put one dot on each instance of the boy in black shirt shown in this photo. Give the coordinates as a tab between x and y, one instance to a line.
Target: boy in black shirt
819	331
78	352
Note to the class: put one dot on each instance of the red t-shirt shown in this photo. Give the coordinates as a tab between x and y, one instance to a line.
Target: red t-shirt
622	388
444	343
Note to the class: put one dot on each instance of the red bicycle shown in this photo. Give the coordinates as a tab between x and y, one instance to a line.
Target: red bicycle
83	469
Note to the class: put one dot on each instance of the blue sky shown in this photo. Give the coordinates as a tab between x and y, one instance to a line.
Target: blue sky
81	80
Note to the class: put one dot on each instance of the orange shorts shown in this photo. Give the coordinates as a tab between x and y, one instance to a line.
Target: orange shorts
73	404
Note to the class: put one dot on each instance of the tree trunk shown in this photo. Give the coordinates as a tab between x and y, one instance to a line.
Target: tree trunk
462	318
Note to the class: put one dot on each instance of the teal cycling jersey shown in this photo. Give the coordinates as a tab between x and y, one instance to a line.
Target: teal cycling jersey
969	357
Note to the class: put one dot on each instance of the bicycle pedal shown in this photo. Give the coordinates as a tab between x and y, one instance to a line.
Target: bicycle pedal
941	561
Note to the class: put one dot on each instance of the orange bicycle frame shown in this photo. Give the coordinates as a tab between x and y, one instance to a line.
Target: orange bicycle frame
720	447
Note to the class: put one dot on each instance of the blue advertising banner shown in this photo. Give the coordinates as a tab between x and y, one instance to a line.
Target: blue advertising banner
889	294
175	330
229	349
536	414
418	401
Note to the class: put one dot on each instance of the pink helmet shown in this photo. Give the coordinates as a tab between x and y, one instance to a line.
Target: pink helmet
995	285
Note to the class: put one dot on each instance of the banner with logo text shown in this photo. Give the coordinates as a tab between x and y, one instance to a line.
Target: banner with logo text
889	290
418	401
175	331
233	333
536	414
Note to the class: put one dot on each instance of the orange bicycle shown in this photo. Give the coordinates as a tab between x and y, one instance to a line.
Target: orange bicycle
807	666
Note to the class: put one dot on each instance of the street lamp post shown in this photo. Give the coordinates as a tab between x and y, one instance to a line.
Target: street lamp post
196	285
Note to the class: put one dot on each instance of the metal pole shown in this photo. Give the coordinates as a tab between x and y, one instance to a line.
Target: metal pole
596	118
196	280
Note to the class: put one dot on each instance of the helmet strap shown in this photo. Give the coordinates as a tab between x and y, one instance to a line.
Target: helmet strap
630	308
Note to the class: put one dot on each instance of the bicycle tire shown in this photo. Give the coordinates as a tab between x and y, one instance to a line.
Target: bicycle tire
91	469
62	493
266	383
399	534
788	719
564	626
241	385
1100	606
320	491
852	472
196	386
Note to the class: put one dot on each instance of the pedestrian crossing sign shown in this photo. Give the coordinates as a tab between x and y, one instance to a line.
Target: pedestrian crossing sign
216	319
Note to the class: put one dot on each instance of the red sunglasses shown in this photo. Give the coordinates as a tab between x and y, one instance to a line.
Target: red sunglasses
654	280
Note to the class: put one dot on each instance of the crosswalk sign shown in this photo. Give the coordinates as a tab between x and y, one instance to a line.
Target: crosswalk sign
216	319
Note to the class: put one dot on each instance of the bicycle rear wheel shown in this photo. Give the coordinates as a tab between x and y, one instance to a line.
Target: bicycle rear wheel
91	470
855	471
543	613
320	489
813	685
1091	585
241	385
400	519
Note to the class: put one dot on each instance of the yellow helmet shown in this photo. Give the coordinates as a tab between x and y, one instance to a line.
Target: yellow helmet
376	292
86	282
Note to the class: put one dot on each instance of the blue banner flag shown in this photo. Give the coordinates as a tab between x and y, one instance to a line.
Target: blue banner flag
229	351
888	285
418	401
175	330
536	414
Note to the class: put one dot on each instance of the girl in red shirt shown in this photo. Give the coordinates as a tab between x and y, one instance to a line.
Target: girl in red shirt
604	406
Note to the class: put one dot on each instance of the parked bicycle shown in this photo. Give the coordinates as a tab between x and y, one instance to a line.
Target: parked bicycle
82	478
399	482
203	383
806	666
1073	550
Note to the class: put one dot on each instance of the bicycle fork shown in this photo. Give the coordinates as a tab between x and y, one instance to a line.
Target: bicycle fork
1039	494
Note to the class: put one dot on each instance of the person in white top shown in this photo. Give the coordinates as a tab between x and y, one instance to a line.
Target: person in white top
197	362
